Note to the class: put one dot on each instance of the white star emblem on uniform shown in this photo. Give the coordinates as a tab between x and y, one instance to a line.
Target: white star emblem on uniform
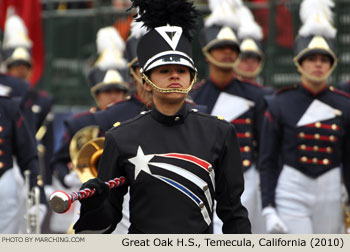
141	162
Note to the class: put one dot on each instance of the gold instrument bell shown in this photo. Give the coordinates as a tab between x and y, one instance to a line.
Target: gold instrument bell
85	151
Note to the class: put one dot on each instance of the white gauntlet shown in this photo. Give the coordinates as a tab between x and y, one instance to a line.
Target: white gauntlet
274	224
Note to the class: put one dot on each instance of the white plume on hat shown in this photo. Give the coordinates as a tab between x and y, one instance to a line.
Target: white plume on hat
137	29
225	14
16	33
110	46
248	28
317	18
214	3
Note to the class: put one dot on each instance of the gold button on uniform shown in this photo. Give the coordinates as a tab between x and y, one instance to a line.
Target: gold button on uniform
329	149
246	148
318	125
177	118
2	165
248	121
246	162
332	138
303	147
325	161
248	134
304	159
301	134
315	148
334	127
317	136
1	129
314	160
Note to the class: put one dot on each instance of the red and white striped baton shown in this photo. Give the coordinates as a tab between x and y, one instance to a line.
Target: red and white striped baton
60	201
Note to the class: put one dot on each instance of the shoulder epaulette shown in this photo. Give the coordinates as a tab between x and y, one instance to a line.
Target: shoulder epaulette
288	88
337	91
199	84
253	84
118	102
84	113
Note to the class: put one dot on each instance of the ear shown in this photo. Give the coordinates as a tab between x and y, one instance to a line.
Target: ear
147	87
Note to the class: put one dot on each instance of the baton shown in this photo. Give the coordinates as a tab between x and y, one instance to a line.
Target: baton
60	201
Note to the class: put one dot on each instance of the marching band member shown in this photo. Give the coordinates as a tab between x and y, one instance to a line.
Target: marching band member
240	103
306	127
176	160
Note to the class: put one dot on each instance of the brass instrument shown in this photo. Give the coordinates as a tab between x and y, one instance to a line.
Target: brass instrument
88	157
32	199
85	150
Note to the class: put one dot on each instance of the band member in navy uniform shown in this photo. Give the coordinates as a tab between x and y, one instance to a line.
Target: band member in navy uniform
176	160
240	103
307	126
16	140
251	58
35	104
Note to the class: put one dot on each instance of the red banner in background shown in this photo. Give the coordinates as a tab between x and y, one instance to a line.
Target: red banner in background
283	21
30	12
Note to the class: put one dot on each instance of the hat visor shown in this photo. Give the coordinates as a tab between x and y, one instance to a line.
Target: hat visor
111	86
222	43
170	58
316	51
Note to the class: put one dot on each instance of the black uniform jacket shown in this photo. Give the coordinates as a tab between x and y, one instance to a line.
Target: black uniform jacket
240	103
307	131
175	166
17	141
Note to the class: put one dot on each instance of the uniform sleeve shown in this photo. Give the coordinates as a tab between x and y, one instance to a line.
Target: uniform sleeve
105	218
26	152
269	157
229	187
61	158
259	119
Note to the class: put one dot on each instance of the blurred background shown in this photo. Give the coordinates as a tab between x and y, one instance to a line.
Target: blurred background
69	30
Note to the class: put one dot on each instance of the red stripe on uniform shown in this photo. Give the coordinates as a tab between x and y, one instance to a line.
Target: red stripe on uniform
200	162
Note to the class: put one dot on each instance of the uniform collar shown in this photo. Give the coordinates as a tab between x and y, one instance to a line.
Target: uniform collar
308	91
177	118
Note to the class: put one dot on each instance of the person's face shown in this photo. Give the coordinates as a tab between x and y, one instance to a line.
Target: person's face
316	65
224	54
104	98
170	76
19	71
248	64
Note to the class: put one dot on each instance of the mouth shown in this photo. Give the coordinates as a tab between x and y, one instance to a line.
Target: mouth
175	85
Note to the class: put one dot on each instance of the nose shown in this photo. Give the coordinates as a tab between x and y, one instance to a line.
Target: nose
174	73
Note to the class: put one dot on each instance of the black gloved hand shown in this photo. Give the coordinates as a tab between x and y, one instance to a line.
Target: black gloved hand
97	200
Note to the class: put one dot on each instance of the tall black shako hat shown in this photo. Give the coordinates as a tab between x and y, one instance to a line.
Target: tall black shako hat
316	35
168	40
220	29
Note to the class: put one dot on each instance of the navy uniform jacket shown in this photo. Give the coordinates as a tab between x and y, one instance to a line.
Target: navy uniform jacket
36	108
61	157
175	166
345	87
119	112
16	87
309	132
242	104
17	140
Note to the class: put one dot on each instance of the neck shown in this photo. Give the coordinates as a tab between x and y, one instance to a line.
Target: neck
221	76
315	87
168	108
145	96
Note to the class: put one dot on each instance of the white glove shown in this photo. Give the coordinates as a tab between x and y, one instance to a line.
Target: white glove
42	212
72	179
274	224
48	191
